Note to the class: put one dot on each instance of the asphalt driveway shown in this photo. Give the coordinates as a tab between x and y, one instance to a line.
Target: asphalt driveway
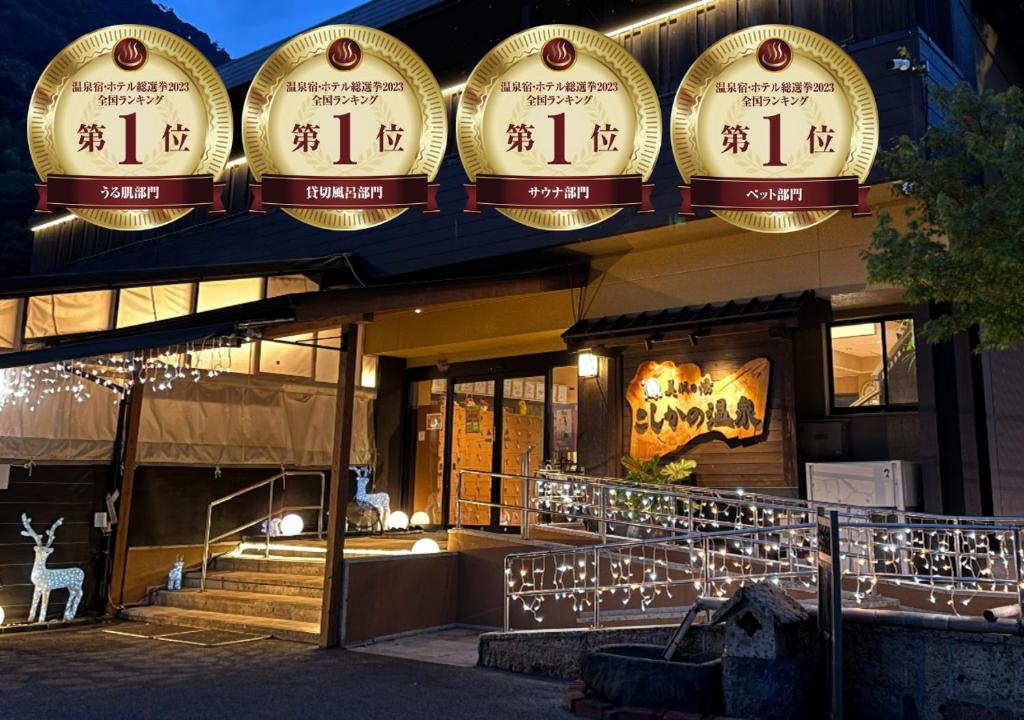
87	673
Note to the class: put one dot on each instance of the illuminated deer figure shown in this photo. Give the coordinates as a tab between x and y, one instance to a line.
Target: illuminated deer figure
47	580
380	502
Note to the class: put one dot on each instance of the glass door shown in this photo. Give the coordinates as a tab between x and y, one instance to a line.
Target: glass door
428	401
523	419
472	448
508	424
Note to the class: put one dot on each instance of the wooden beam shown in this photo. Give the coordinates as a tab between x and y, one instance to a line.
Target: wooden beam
332	622
133	420
331	308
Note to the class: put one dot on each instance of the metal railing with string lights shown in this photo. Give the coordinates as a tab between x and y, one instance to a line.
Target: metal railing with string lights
593	580
953	560
654	538
614	508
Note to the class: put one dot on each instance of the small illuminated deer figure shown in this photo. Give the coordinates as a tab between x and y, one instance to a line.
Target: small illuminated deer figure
174	576
47	580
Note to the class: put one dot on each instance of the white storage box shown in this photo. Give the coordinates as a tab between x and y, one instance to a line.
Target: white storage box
888	483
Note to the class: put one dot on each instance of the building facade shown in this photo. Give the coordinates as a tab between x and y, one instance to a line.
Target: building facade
490	348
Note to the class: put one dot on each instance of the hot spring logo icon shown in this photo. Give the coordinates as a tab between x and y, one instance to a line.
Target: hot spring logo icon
774	55
344	54
130	54
559	54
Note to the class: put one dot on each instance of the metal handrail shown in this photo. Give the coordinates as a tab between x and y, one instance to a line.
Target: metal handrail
269	483
576	509
961	556
706	491
696	552
772	502
626	543
263	518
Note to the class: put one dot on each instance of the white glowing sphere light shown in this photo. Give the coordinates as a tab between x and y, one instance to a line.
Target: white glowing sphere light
291	524
425	546
420	518
398	520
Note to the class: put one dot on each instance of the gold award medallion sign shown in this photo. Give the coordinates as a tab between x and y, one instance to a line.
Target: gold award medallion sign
128	128
558	128
774	128
344	127
673	404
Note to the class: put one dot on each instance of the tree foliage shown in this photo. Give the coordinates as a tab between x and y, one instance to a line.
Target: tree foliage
962	246
653	472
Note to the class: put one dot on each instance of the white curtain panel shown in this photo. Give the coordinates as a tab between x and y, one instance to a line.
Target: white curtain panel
216	294
8	323
60	429
150	304
50	315
235	420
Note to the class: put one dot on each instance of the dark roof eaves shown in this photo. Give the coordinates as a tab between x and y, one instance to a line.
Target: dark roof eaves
372	13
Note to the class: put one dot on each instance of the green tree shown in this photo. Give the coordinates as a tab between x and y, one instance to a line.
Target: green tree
962	245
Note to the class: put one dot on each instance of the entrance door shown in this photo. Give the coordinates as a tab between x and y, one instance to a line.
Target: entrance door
496	422
489	424
472	433
523	418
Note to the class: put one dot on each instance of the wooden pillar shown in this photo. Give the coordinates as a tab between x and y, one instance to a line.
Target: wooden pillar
332	622
600	409
130	440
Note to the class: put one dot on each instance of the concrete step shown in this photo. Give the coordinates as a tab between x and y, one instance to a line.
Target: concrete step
257	582
312	550
259	564
282	629
283	607
660	615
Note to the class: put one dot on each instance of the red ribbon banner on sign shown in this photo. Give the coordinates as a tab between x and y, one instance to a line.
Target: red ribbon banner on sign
129	193
558	193
344	193
781	194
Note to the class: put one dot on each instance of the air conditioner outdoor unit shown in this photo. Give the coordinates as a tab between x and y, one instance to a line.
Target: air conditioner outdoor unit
888	483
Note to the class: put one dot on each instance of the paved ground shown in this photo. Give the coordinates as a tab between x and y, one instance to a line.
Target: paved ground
455	646
91	674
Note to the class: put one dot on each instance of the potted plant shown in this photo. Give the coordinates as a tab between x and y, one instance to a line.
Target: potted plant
652	471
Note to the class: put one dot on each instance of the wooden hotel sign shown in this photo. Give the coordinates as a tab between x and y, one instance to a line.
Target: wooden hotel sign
671	405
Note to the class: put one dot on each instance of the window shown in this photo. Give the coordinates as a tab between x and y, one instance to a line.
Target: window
873	364
215	294
564	417
151	304
68	313
10	311
291	356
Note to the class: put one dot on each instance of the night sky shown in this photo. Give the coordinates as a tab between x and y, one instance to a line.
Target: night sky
241	26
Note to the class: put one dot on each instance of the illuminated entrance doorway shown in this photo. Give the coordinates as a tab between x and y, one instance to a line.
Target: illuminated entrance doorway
497	422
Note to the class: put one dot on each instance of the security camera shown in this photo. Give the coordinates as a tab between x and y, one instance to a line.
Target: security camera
900	64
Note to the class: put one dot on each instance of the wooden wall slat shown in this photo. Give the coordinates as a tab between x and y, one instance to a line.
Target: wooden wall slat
69	532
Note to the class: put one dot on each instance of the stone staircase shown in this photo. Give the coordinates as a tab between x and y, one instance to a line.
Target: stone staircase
278	596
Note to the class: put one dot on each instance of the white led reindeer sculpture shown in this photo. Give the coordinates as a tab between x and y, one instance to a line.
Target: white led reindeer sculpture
174	576
47	580
380	501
